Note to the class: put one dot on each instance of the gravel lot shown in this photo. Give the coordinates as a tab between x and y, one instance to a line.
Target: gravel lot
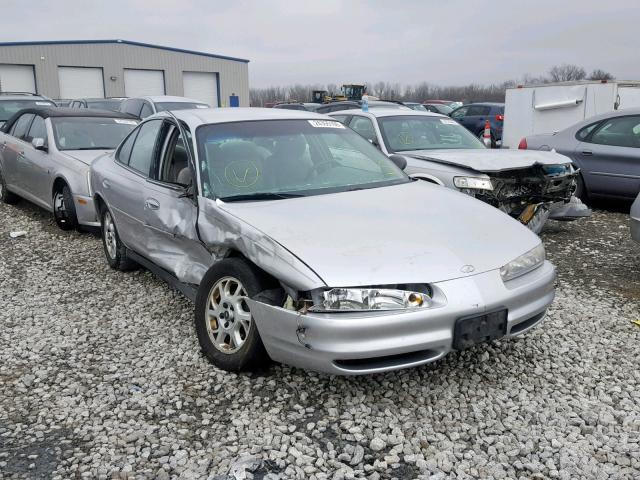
101	377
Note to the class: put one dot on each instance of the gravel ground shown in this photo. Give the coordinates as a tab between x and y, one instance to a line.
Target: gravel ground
101	377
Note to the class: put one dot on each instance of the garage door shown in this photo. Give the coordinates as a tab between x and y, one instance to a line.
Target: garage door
139	83
201	86
17	78
81	82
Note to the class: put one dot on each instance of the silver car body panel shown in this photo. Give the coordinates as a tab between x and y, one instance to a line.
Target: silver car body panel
635	219
408	233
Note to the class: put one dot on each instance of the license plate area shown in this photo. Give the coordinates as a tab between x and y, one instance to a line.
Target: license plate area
470	331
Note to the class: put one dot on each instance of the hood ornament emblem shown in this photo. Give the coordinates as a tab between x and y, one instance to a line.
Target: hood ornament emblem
467	269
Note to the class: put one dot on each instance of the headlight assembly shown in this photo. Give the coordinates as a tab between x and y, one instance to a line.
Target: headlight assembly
523	264
475	183
350	299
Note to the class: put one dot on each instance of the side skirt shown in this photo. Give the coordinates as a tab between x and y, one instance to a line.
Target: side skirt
187	289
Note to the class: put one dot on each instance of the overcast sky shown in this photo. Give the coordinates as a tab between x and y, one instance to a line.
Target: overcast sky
446	42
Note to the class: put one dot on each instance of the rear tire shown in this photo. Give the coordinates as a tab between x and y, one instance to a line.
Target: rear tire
5	195
64	210
226	330
114	250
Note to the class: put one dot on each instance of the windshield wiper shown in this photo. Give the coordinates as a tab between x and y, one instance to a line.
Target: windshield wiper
91	148
261	196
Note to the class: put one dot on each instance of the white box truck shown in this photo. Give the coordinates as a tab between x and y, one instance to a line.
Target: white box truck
552	107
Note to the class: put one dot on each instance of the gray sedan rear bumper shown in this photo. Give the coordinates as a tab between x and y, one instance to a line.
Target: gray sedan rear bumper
351	343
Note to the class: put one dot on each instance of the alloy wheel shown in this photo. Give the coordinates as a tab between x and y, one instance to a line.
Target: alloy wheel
228	315
109	232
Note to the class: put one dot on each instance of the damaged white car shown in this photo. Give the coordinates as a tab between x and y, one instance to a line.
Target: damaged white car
528	185
302	243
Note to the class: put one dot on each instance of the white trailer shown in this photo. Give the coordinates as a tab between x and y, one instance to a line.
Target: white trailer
552	107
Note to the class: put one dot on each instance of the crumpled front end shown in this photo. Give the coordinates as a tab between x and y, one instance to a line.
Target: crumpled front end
534	194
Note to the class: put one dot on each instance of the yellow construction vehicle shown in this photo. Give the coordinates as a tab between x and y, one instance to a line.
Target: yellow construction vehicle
350	91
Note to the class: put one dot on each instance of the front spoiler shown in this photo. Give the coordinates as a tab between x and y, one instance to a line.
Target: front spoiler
352	343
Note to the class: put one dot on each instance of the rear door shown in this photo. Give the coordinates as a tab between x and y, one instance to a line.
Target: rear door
475	118
609	156
170	214
134	160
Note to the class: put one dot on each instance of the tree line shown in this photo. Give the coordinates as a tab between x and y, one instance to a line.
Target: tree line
425	90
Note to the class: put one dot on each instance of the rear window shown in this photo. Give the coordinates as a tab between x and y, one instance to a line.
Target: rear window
9	107
90	133
478	110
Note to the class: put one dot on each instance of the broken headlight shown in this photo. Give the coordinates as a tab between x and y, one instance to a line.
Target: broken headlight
475	183
523	264
341	299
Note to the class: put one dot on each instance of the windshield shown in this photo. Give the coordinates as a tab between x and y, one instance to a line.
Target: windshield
104	104
295	157
165	106
417	132
9	107
90	133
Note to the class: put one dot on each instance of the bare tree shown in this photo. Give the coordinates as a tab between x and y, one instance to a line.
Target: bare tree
567	73
599	74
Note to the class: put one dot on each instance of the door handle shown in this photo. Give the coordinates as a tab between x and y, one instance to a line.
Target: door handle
106	184
151	204
587	152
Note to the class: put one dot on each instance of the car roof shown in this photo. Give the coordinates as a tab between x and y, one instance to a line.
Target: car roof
169	98
24	97
488	104
54	112
202	116
392	112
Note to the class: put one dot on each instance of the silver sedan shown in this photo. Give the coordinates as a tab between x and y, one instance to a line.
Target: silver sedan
45	155
301	242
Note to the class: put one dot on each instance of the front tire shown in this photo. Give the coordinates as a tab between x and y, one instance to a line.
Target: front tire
114	250
64	210
5	195
226	330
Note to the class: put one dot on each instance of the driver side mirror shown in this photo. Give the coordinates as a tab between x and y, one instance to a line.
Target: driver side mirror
399	160
38	144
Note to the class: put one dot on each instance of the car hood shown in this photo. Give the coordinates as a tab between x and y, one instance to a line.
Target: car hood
86	156
490	160
410	233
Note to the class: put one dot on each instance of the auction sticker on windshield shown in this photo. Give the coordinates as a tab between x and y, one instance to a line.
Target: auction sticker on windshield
125	122
446	121
325	124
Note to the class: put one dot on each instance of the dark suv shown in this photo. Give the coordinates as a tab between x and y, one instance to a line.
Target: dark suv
474	116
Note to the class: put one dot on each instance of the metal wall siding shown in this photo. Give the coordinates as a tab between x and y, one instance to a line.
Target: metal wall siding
115	57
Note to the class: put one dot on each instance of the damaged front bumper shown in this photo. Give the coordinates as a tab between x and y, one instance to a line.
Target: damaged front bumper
352	343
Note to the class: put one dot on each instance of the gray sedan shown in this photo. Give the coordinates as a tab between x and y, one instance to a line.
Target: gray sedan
301	242
529	186
606	148
45	155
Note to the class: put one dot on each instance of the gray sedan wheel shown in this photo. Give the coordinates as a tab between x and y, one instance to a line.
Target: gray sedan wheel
5	195
114	250
64	210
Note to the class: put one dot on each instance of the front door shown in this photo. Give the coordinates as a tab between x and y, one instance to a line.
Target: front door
171	210
36	165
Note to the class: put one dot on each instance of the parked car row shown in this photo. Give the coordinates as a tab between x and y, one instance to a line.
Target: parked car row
264	218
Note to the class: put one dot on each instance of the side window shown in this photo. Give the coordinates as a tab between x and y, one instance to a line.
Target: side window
618	132
146	110
459	113
340	118
125	149
363	126
174	160
132	106
37	130
19	129
478	110
584	132
144	147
